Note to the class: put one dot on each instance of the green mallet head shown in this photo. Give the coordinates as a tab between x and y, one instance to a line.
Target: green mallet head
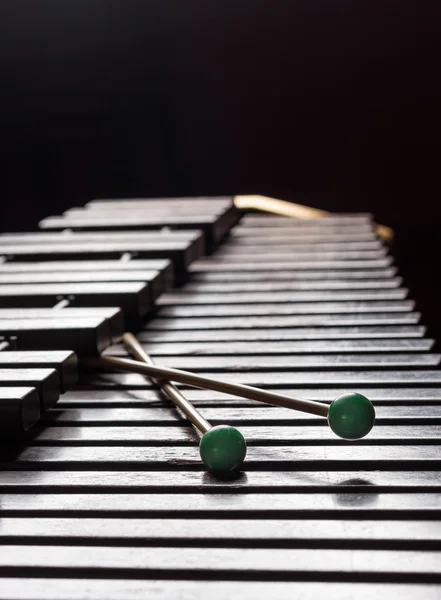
351	416
223	449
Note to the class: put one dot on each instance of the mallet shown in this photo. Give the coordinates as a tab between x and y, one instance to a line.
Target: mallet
351	415
222	448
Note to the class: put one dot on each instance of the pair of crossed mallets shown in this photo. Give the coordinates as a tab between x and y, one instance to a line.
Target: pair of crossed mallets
223	448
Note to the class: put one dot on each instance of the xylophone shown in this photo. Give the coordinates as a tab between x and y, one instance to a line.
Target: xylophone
103	491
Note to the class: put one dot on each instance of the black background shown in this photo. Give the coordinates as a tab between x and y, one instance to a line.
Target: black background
329	103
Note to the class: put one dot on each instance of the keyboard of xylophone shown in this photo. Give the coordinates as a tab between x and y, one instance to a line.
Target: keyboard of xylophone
110	486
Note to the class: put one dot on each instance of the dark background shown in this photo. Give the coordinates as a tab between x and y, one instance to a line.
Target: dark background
329	103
